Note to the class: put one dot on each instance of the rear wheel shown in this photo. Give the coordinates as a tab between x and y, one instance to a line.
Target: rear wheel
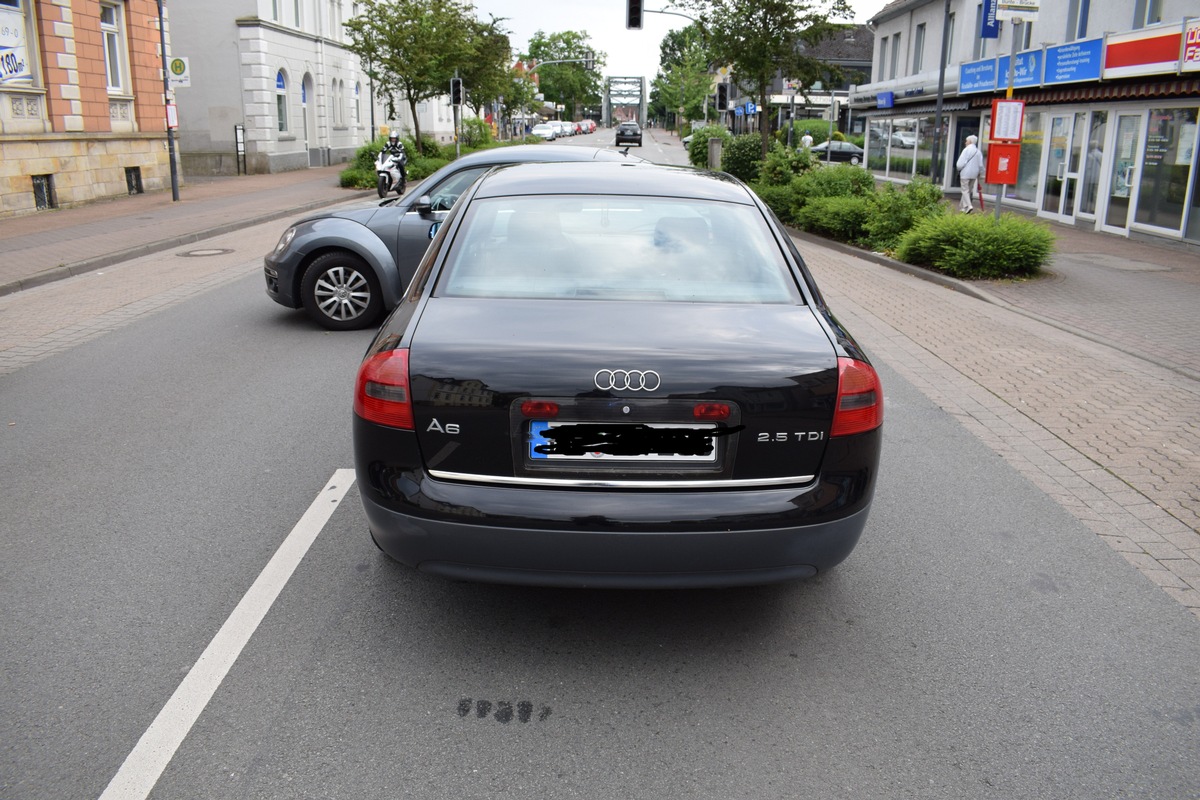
854	160
341	292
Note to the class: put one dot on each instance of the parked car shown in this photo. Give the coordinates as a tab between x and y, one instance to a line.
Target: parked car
563	128
346	267
687	414
838	151
545	130
628	133
906	139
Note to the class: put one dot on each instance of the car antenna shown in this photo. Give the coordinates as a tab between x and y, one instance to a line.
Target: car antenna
625	152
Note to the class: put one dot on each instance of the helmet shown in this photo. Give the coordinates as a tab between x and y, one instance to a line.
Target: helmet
393	137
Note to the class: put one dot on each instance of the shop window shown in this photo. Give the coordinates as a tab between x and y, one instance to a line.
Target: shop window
1093	162
1033	139
1166	166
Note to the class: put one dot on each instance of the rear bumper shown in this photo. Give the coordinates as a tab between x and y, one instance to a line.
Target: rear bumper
584	557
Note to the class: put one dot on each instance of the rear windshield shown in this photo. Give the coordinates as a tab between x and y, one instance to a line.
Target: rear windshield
616	248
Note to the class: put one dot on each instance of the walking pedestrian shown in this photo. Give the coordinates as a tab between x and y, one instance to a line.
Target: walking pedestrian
970	164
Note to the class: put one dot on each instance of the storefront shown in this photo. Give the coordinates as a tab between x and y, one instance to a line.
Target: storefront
1110	134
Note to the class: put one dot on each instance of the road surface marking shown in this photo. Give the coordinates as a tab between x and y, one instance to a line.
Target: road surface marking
150	756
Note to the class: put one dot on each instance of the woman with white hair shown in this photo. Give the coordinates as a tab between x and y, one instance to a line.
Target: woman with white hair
970	164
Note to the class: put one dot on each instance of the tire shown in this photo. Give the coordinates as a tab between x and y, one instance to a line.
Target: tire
855	160
340	292
382	186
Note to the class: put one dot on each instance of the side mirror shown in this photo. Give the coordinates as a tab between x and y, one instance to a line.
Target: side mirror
424	205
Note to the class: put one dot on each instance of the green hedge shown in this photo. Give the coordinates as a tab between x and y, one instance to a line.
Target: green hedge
698	147
741	156
978	246
843	218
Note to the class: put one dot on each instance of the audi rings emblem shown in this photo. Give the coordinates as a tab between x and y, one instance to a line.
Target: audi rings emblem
633	380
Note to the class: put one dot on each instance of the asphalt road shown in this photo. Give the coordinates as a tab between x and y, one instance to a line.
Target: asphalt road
980	643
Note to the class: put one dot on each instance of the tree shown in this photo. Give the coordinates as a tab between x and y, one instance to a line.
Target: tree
683	79
761	38
412	47
571	84
487	74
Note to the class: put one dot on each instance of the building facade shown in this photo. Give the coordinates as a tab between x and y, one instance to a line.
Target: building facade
273	88
1111	94
82	115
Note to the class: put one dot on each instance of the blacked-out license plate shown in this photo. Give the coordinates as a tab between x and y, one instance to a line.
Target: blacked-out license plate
594	441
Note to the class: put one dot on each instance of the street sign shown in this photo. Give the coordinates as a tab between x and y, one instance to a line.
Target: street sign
1026	10
178	72
791	87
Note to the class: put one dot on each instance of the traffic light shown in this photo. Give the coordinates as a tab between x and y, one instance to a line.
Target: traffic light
722	97
456	92
633	14
589	60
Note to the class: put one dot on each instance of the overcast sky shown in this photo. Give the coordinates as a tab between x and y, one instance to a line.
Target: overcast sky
630	53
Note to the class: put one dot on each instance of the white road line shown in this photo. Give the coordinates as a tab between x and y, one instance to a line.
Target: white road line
145	764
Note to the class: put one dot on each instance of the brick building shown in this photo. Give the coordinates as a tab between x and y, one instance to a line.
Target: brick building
81	102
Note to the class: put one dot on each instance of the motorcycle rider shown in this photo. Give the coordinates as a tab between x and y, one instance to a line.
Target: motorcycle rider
396	148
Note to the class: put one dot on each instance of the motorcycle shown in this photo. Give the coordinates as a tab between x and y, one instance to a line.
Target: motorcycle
390	169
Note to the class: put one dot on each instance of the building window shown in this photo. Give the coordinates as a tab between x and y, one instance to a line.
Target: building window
918	49
948	59
281	107
112	31
1147	12
358	104
895	54
1077	19
977	49
883	62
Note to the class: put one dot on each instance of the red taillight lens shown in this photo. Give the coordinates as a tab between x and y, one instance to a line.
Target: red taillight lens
860	399
539	409
711	412
381	393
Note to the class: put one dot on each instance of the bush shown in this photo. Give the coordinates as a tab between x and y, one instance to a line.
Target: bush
835	181
897	210
778	199
842	218
968	246
741	156
698	147
475	132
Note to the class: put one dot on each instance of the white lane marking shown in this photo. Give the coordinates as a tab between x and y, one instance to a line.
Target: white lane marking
150	756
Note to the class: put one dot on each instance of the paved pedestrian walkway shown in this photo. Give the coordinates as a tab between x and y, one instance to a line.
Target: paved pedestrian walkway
1087	381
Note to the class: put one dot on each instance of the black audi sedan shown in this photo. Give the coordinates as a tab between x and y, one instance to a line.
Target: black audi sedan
346	267
680	409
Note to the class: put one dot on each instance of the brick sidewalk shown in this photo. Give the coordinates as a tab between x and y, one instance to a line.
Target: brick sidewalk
1113	439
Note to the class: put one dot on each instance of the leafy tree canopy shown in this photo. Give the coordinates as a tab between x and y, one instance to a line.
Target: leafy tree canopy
760	39
573	85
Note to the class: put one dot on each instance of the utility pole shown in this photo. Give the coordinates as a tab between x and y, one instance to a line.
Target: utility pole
162	40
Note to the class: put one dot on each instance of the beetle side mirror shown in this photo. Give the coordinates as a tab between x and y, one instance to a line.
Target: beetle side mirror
424	205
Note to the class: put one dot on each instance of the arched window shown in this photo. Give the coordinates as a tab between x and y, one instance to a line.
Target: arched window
281	105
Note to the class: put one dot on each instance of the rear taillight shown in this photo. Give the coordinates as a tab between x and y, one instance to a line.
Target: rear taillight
859	400
381	392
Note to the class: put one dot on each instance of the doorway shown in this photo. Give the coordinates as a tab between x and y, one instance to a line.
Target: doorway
1064	162
1122	177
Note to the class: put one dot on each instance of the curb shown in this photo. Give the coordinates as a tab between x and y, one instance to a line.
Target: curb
65	271
980	294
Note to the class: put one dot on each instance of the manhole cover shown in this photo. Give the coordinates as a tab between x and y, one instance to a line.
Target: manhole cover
212	251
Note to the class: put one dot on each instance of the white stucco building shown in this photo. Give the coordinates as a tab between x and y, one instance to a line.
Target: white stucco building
271	81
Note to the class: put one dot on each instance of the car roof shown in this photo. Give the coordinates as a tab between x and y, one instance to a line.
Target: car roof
538	152
632	178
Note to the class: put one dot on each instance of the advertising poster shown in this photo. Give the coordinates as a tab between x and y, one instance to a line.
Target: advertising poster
14	55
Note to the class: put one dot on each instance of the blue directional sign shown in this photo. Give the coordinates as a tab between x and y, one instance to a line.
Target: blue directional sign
1077	61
